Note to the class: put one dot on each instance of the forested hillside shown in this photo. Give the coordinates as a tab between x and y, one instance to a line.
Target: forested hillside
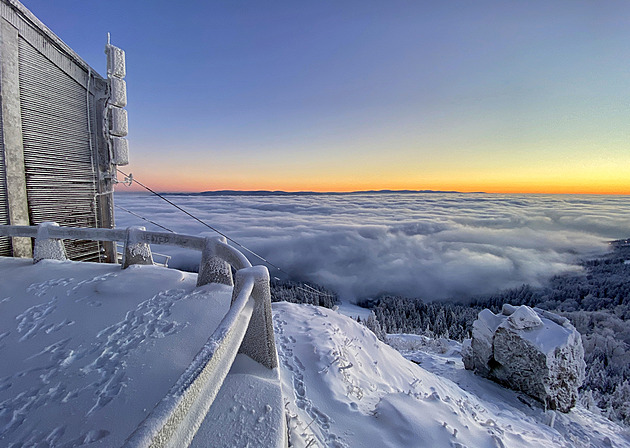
597	302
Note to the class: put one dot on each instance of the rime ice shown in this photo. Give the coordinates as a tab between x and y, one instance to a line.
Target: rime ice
530	350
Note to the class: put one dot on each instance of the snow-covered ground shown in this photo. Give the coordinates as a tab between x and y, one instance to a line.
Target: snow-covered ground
351	310
89	349
345	388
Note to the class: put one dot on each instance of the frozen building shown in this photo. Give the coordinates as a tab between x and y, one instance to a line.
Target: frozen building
62	129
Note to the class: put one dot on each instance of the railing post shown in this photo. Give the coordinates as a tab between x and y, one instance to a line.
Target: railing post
47	248
258	343
136	252
212	268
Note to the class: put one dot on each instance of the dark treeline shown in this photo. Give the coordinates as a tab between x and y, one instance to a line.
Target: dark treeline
299	292
395	314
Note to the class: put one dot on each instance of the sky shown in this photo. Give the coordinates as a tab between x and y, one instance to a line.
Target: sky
488	96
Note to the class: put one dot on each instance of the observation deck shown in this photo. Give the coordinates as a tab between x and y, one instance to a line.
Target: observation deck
142	356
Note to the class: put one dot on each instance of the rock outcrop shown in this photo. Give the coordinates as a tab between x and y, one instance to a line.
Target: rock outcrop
529	350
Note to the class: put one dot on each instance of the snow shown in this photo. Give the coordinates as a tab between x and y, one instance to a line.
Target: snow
46	247
136	251
524	318
345	388
481	345
89	349
351	310
548	337
247	410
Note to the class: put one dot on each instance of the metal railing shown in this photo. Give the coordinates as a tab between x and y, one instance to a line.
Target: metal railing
163	259
246	328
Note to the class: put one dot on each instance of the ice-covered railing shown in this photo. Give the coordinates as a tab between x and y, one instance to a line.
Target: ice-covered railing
216	255
246	328
162	260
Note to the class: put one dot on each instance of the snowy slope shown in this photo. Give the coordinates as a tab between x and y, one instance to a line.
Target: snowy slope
345	388
87	350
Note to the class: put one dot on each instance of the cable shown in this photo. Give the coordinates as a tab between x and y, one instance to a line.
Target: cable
145	219
313	290
129	178
263	259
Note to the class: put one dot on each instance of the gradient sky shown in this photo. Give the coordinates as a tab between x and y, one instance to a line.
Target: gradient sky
328	95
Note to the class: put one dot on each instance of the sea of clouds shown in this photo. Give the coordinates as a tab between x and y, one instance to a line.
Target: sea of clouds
427	245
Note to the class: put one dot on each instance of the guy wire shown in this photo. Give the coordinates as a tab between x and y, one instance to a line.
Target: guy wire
144	219
263	259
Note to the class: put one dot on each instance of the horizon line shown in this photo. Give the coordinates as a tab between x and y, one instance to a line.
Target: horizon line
262	192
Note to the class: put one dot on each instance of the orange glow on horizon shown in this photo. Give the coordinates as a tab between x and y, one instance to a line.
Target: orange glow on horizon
194	185
575	168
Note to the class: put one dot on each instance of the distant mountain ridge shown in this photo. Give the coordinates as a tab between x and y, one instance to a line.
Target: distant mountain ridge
304	193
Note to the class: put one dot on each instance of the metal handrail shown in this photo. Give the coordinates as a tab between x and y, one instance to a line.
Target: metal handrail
135	238
198	386
165	257
246	328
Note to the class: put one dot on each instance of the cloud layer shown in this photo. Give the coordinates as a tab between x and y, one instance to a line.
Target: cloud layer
427	245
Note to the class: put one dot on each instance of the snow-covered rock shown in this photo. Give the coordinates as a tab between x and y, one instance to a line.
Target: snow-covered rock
530	350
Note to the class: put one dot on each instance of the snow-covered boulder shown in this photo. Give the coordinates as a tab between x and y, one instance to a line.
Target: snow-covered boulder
530	350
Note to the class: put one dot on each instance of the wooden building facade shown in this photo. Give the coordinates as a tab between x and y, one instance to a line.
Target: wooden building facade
58	146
